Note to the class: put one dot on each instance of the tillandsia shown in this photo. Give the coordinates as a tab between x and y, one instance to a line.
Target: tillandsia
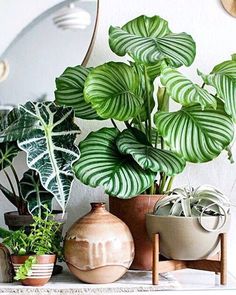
153	144
205	200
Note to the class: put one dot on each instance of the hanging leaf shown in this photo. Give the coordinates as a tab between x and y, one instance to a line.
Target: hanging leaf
102	164
130	142
69	92
196	135
49	145
184	91
148	40
113	91
38	199
8	151
223	78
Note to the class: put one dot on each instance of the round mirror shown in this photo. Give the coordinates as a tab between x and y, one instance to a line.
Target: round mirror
60	37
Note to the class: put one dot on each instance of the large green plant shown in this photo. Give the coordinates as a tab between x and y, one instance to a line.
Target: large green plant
46	133
156	142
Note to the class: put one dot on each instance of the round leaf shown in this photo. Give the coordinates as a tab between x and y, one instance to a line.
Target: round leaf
198	136
182	90
69	92
114	92
102	164
147	156
148	40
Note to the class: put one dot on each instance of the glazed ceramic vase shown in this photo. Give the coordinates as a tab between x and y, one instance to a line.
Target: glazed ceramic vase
132	212
99	247
41	271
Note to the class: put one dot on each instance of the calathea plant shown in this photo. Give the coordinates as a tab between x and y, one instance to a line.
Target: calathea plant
46	133
155	142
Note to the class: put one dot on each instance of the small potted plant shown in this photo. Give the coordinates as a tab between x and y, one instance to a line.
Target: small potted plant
189	222
46	133
136	160
34	254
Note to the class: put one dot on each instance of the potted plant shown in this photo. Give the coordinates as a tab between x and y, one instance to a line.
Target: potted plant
46	133
193	219
34	254
136	162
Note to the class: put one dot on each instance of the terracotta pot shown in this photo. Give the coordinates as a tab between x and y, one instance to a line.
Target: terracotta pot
98	247
41	271
183	238
132	212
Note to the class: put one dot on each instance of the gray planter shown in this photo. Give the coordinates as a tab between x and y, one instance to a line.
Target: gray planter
183	238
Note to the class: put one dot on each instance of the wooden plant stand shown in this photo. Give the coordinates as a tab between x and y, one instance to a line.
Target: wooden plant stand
217	264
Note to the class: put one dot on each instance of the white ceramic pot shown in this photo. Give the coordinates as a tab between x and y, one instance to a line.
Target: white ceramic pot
183	238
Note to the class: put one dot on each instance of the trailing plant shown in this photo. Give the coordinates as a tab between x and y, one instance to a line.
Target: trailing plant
44	238
46	133
205	200
155	143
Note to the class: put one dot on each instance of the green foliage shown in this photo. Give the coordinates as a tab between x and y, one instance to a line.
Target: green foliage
122	161
24	269
46	132
44	238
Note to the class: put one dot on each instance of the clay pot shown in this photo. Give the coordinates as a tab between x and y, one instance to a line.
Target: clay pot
183	238
40	272
132	212
98	247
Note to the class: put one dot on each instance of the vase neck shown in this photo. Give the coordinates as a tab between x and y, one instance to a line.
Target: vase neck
95	206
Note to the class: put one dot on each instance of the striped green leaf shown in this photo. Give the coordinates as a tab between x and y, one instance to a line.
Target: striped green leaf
8	151
69	92
196	135
38	199
101	164
50	146
148	40
130	142
184	91
223	78
113	89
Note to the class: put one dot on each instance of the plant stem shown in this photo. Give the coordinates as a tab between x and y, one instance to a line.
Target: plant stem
10	182
114	124
147	86
162	182
141	127
127	124
203	84
169	185
17	179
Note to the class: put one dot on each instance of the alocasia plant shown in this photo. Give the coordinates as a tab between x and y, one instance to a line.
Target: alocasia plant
156	142
47	134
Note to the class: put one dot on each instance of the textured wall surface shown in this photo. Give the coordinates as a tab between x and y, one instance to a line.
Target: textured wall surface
214	32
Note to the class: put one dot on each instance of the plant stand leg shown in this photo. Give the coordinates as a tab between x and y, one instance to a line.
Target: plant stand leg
223	259
155	260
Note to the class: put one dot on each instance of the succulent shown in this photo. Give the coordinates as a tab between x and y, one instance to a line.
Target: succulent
205	200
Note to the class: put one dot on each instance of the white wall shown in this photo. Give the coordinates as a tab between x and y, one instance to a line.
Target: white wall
214	32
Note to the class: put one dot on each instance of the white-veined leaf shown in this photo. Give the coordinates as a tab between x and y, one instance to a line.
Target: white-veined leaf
148	40
113	89
130	142
38	199
184	91
223	78
196	135
50	146
101	164
69	92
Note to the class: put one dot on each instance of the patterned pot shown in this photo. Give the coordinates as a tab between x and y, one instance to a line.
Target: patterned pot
132	212
41	271
98	248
